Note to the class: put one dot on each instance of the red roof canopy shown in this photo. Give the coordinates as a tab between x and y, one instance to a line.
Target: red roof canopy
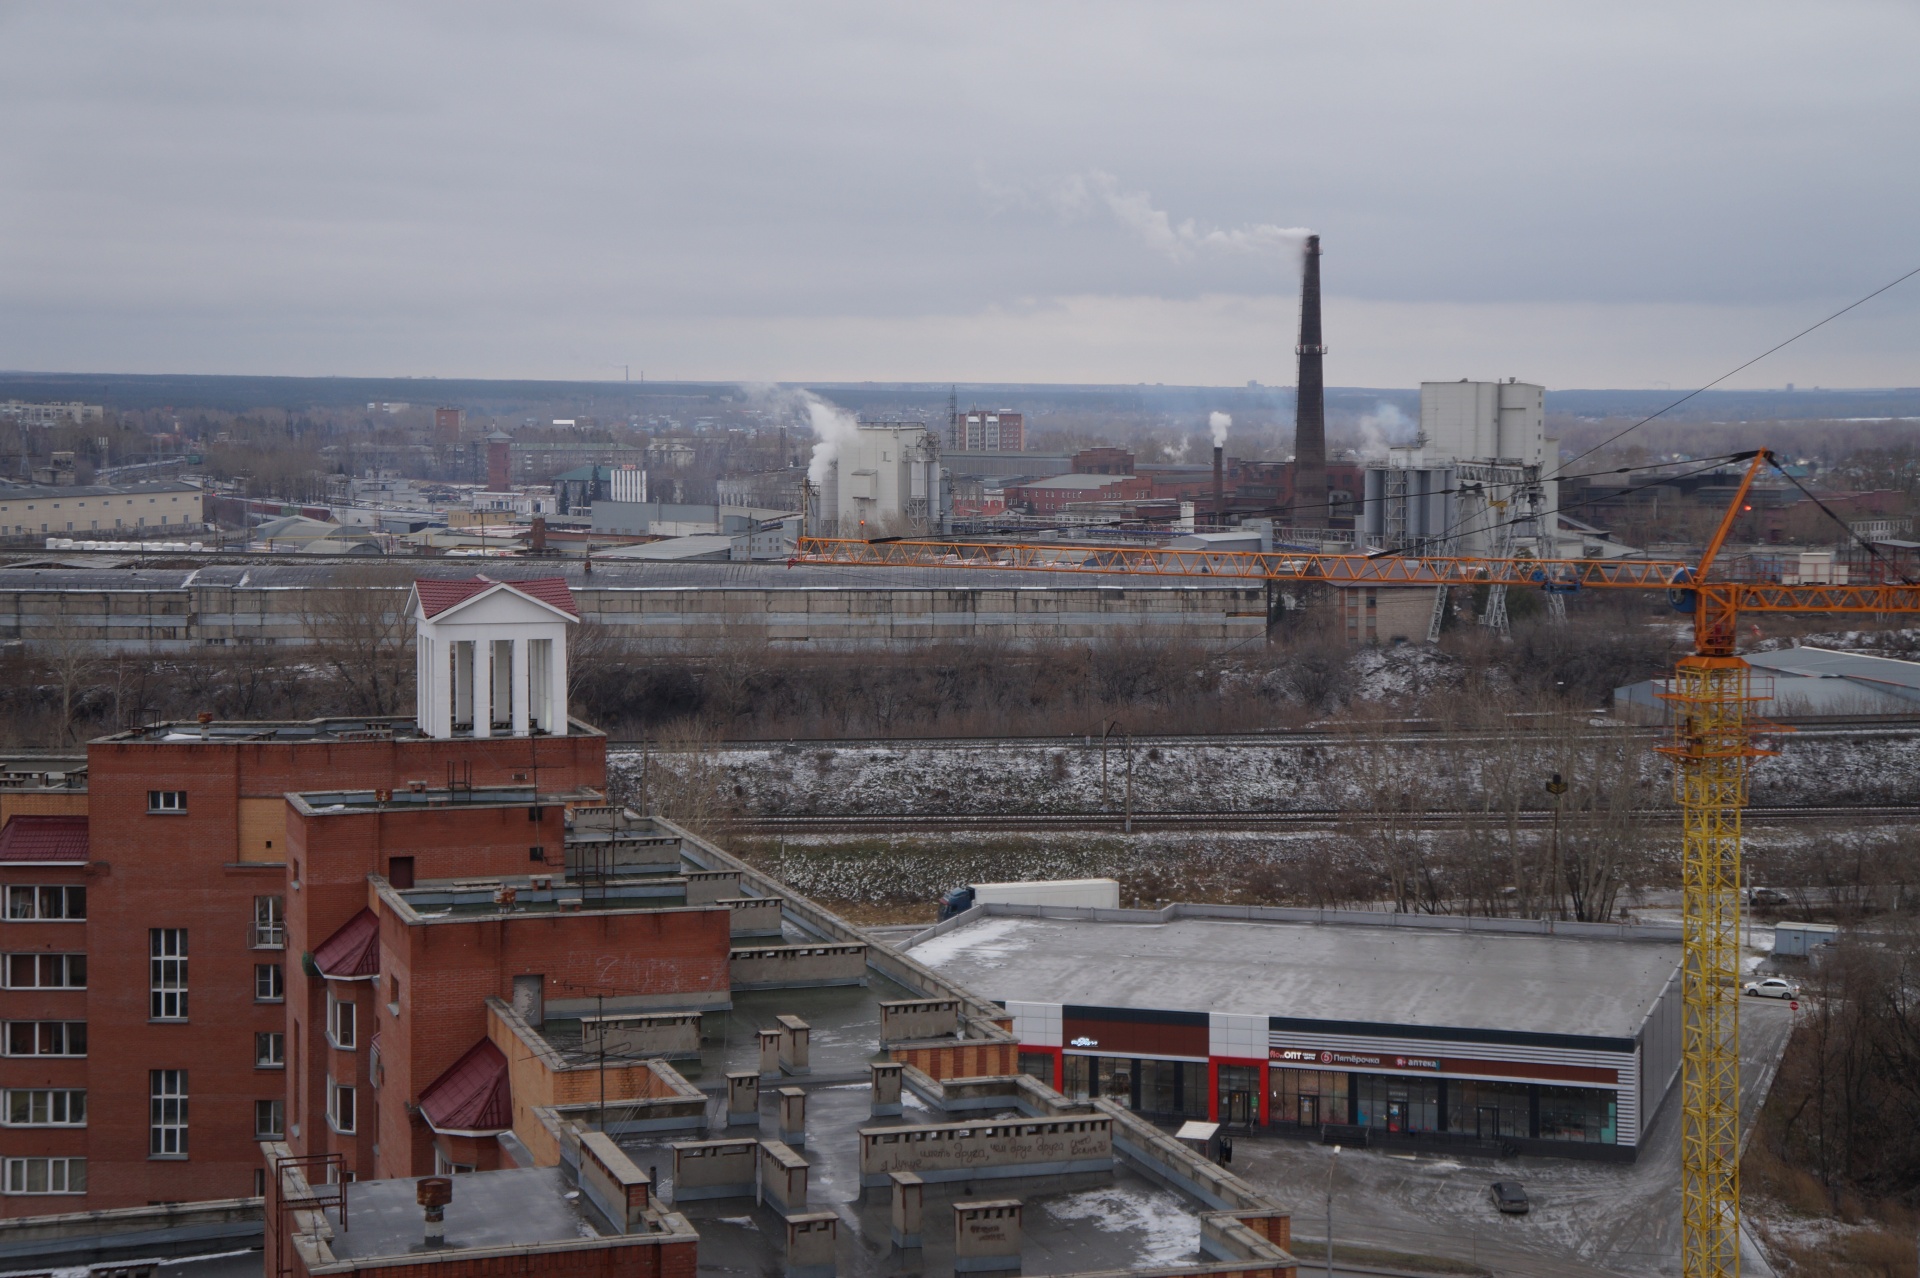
473	1096
41	839
437	595
353	950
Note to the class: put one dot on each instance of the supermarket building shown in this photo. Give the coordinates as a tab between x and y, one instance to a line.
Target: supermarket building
1420	1030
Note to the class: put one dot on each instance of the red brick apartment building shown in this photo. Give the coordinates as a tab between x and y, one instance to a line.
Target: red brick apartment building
151	946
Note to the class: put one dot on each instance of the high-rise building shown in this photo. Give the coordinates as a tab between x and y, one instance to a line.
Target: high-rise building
989	430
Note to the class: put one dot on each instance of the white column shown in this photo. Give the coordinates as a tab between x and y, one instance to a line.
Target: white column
517	663
557	691
464	669
483	666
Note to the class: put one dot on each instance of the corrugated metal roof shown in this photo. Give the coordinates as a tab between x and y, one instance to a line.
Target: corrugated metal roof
41	839
353	950
473	1096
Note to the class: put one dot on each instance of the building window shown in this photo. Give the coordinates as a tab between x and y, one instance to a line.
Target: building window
270	1118
340	1021
46	1038
269	921
46	1107
167	1115
166	800
269	985
168	971
340	1108
46	971
27	903
270	1050
46	1175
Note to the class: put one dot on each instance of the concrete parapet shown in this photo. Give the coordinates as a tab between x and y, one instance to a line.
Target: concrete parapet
793	1116
754	915
812	1238
783	1177
613	1183
903	1020
796	1045
987	1150
987	1236
711	887
713	1169
909	1198
886	1087
775	967
743	1099
672	1035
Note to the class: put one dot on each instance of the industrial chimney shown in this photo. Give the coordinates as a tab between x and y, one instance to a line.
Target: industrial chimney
1310	405
1219	487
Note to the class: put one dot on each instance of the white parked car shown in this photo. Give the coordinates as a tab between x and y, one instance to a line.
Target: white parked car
1773	987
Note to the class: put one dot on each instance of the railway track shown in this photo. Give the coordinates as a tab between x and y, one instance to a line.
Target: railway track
915	823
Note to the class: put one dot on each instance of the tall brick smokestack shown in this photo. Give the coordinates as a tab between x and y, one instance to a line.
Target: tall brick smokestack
1310	408
1219	487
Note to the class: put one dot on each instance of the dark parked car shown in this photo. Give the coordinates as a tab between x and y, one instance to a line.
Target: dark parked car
1509	1197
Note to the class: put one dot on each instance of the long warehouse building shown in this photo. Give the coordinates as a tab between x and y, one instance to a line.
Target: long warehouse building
679	607
1553	1038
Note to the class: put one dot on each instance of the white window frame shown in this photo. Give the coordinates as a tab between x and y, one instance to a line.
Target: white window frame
167	802
167	973
58	1171
275	987
166	1113
57	1106
269	922
26	902
277	1111
342	1013
334	1092
66	1036
275	1055
64	965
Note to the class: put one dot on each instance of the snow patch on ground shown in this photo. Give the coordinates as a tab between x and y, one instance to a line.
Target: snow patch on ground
1171	1232
982	939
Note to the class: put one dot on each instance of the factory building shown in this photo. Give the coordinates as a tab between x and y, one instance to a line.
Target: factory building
1477	480
1404	1029
886	480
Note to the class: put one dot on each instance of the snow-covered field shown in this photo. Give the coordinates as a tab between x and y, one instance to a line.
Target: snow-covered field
1814	768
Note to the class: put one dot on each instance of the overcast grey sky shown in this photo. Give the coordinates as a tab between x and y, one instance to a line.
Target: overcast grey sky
1602	194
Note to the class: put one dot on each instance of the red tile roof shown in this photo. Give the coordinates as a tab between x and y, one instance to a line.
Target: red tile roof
39	839
473	1095
437	595
353	950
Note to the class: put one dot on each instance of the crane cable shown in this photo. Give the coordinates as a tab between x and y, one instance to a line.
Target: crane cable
1749	364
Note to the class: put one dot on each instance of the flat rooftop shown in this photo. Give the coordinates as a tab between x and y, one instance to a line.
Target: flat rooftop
301	730
489	1209
1343	972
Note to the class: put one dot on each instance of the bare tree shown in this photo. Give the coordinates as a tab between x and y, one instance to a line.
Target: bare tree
71	654
357	626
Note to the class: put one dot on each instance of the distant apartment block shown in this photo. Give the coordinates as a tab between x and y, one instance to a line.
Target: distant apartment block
72	413
993	430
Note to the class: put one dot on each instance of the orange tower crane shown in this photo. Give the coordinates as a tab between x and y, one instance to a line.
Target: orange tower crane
1712	745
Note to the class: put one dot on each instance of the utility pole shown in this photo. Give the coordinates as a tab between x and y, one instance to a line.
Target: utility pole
1333	1161
1556	787
1128	828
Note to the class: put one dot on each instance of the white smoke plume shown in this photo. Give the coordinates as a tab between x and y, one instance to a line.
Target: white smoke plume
1219	424
834	426
1079	195
1176	453
1385	427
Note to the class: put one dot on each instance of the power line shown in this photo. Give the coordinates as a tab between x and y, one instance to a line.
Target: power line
1749	364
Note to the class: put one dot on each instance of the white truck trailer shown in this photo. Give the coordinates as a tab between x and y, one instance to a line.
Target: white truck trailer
1103	894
